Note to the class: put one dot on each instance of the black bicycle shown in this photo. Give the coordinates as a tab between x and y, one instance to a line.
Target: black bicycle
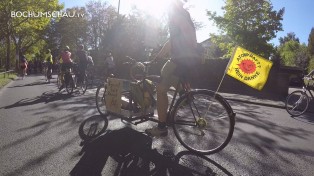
202	120
298	101
72	78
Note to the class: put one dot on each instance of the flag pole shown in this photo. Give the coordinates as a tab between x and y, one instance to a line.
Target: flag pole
223	77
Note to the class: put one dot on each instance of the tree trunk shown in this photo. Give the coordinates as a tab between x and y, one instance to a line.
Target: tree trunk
7	65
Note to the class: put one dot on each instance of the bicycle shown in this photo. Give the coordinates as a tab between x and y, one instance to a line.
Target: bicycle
192	115
59	77
298	101
72	78
100	101
48	70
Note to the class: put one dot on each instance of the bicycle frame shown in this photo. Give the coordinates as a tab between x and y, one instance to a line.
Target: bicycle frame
149	117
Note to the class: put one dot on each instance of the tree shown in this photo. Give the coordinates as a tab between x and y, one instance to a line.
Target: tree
290	36
73	31
302	57
250	24
311	43
24	31
100	18
310	47
293	53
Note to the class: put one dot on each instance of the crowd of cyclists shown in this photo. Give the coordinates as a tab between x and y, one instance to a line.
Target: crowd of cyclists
63	61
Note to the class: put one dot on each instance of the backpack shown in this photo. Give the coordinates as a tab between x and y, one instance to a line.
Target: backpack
83	58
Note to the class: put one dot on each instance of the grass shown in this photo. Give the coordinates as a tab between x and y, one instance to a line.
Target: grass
7	79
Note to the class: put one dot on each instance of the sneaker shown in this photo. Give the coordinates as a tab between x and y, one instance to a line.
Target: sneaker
157	132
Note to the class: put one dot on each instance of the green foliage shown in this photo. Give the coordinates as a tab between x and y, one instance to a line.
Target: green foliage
302	57
250	24
293	53
290	36
311	43
24	31
7	79
72	31
100	18
288	52
311	63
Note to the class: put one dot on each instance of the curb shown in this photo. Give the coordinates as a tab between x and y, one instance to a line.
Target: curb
256	102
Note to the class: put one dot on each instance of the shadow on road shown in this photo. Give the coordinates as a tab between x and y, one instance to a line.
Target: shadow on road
46	97
306	118
30	84
129	152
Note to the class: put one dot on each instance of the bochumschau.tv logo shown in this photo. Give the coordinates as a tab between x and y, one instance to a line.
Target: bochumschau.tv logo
48	14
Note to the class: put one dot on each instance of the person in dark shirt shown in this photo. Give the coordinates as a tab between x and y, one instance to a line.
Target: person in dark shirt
182	47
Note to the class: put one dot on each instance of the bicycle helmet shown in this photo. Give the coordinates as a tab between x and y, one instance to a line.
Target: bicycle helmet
66	48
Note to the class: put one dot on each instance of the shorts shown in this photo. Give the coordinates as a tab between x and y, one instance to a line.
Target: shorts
168	77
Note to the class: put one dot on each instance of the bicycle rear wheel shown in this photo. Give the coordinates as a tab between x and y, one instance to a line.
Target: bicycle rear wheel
93	127
82	84
297	103
59	81
203	122
69	84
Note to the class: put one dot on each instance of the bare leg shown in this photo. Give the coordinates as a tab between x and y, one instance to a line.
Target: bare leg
162	103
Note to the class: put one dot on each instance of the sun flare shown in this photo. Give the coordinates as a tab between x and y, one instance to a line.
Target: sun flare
156	8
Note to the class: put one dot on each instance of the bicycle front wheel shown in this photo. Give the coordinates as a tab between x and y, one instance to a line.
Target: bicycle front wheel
93	127
203	122
297	103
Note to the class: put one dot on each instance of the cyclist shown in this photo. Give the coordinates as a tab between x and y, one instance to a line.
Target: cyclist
110	66
49	65
23	63
82	57
66	62
182	47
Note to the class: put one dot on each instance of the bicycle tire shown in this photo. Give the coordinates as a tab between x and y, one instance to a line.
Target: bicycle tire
89	130
188	118
59	81
69	84
297	103
82	86
100	99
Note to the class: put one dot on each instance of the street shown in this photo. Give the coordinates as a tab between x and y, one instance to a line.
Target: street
39	136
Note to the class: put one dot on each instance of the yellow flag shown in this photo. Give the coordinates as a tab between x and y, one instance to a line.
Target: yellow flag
249	68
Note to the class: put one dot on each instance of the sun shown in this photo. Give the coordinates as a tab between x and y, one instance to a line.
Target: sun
156	8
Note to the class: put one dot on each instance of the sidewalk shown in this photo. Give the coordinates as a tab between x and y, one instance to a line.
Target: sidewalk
254	100
263	101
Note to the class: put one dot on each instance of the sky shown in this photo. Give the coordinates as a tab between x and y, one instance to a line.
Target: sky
298	16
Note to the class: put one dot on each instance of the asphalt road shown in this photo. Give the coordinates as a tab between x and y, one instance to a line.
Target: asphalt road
39	136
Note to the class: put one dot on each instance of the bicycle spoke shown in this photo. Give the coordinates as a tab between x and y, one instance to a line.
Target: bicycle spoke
202	129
